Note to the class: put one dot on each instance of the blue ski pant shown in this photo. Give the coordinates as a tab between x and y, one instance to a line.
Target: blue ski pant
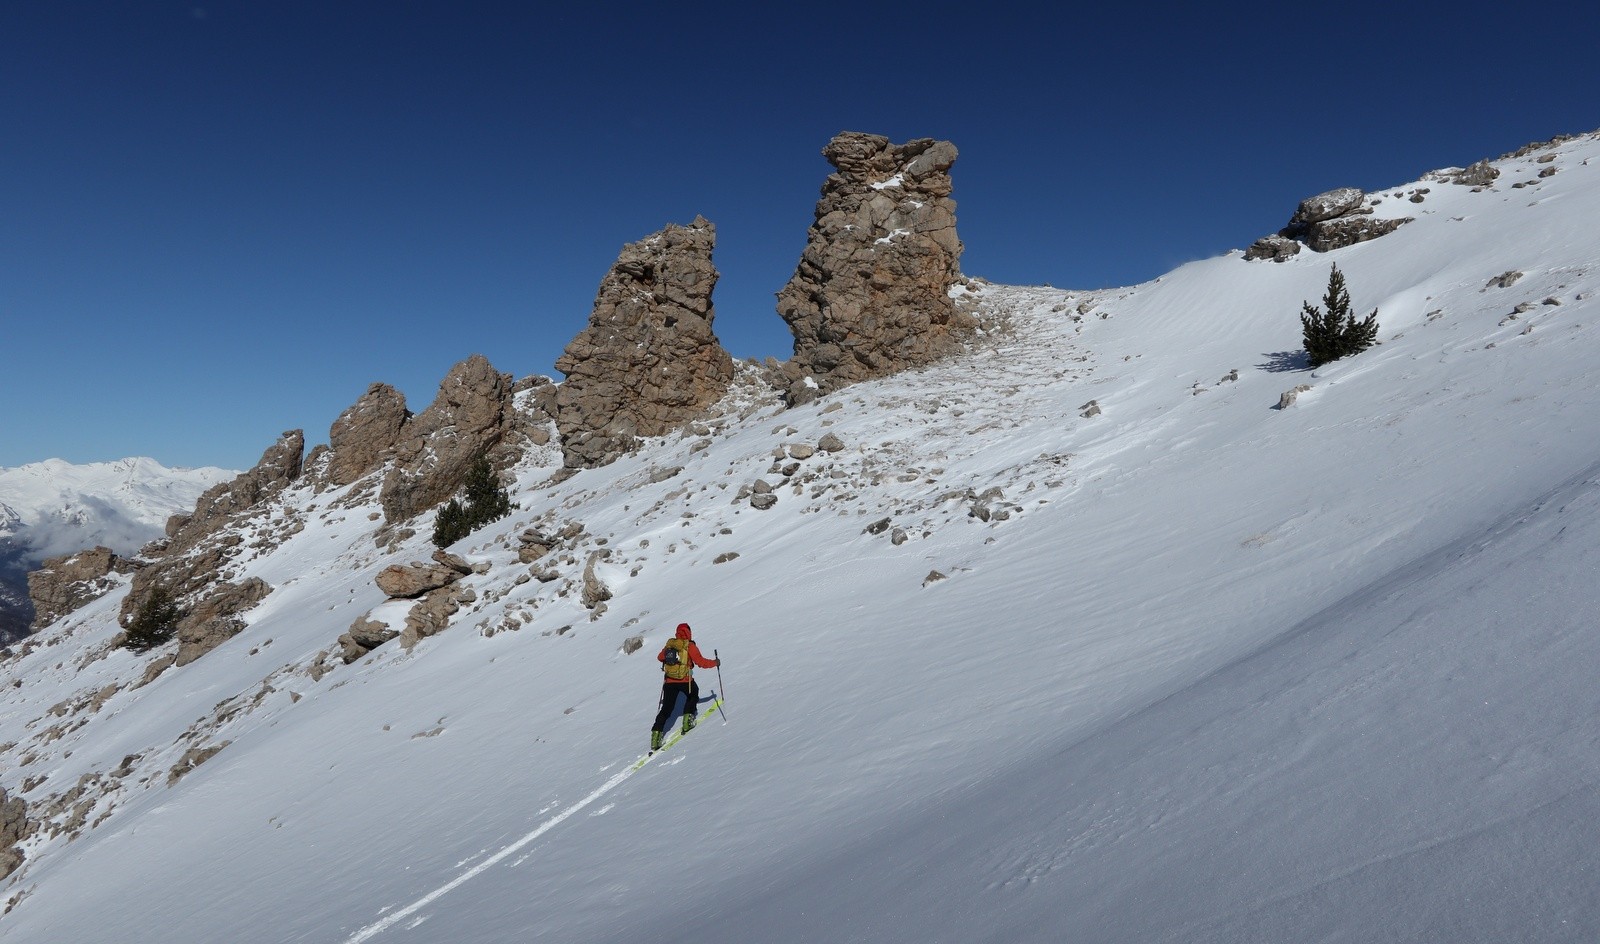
669	700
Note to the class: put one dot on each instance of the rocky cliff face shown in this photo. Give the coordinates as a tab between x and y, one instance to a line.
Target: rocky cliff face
649	360
870	296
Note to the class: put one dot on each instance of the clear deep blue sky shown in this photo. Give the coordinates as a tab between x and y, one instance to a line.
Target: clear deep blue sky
221	220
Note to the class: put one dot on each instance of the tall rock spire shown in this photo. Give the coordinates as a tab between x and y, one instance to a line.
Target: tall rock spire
871	295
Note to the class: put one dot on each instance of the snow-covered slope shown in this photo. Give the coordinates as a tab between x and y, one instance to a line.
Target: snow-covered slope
54	507
1194	668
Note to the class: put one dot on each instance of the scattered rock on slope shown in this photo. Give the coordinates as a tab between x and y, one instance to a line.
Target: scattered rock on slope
871	295
649	361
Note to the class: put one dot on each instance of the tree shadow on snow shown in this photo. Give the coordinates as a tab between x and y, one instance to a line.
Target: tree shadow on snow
1285	362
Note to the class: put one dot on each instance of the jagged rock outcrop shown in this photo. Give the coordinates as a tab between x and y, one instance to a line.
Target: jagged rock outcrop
278	467
62	584
649	361
469	416
1476	175
1328	235
365	433
871	295
215	620
1326	222
1276	248
14	828
199	546
1326	206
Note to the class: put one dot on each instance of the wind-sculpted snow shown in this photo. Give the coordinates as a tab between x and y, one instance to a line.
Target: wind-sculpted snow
1198	668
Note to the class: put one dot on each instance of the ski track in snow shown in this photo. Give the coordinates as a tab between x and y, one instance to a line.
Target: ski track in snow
390	920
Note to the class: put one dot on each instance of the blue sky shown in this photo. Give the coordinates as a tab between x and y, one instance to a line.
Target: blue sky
219	221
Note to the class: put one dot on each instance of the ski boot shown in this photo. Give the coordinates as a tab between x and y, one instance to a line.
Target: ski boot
655	741
688	723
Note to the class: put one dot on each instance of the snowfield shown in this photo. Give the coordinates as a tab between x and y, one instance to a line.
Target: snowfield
1192	668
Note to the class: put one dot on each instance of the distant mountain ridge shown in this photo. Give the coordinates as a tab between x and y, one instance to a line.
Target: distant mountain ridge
56	507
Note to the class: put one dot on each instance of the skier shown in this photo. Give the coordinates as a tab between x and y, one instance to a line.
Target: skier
678	658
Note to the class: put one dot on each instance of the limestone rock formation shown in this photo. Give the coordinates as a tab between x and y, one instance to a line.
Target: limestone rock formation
432	613
62	584
413	580
1326	222
1477	175
215	620
870	296
649	361
198	546
1328	235
1275	248
365	635
13	829
1326	206
278	467
365	433
468	417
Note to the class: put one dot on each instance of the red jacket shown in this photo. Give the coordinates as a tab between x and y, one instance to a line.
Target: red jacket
695	657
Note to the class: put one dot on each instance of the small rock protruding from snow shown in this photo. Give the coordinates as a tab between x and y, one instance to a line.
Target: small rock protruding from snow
1289	396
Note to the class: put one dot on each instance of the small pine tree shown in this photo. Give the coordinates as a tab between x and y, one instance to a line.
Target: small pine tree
486	501
450	525
1334	333
155	622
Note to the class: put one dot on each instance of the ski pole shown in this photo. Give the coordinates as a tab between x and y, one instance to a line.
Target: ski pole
723	688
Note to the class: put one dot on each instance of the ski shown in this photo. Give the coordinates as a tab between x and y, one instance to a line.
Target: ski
677	735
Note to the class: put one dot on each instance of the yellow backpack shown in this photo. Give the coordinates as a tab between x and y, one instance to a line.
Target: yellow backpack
676	663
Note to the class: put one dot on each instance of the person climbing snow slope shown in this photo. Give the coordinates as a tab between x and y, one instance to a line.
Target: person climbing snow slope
678	658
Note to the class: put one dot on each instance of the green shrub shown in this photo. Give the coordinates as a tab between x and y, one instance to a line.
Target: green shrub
1335	333
450	525
486	501
155	622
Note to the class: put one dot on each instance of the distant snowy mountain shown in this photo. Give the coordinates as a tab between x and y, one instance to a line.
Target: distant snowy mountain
1086	634
53	507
